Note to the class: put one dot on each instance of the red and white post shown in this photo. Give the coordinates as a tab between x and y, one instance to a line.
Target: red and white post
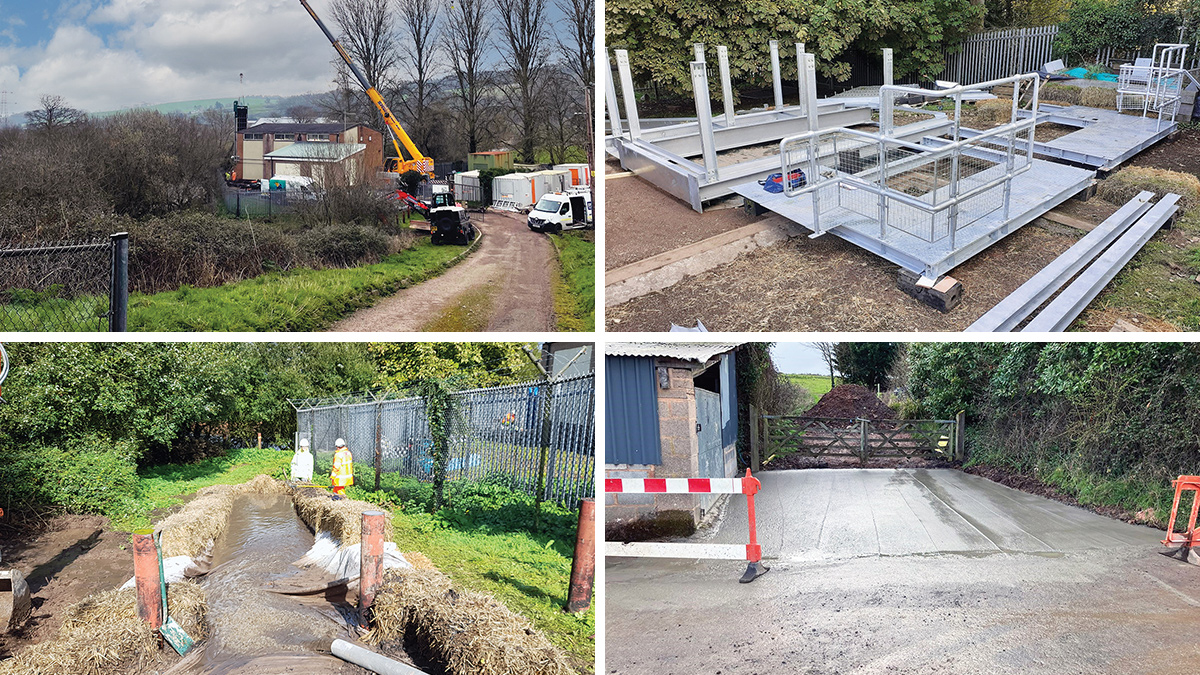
748	486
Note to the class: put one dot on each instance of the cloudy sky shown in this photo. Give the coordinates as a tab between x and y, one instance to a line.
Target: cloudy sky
798	357
109	54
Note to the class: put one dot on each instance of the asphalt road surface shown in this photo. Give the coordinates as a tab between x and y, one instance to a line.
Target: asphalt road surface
909	571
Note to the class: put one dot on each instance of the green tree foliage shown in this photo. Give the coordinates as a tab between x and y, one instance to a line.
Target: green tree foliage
659	34
470	364
866	363
1109	422
760	384
436	394
1121	24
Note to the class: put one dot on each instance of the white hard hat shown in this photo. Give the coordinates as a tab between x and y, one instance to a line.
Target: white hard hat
339	443
304	442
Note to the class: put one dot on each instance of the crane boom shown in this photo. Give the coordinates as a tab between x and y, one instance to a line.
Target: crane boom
419	161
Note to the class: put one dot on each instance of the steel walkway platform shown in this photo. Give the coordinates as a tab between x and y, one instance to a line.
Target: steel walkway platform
1043	187
1105	139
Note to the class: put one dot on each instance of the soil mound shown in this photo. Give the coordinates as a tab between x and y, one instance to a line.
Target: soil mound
851	401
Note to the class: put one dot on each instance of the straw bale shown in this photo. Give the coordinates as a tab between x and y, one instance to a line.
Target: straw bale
468	633
419	560
340	517
1099	97
102	634
1125	184
994	110
195	527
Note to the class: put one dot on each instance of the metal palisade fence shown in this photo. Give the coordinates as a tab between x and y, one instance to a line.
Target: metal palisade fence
535	437
65	285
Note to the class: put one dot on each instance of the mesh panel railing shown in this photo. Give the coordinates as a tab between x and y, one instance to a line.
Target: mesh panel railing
536	437
254	204
61	286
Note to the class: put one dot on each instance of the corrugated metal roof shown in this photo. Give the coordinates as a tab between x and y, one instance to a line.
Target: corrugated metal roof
317	152
685	351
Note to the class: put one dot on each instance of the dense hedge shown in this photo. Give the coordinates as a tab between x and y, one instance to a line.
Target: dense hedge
1111	422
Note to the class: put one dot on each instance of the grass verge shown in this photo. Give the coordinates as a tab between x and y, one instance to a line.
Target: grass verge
167	485
299	300
486	541
575	284
468	312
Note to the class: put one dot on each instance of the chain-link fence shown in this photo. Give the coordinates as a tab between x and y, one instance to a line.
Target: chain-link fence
64	285
535	437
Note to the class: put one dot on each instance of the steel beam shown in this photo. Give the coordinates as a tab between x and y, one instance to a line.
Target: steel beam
726	85
776	81
708	146
800	86
610	99
1012	310
635	129
810	91
1069	304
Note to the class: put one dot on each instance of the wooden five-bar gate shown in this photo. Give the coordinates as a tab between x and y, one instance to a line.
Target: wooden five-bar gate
861	438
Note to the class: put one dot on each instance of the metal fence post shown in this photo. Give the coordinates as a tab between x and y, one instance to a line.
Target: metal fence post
378	442
544	446
862	440
960	441
118	288
755	457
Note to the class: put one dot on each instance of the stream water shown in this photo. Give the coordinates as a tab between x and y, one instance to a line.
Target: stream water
253	630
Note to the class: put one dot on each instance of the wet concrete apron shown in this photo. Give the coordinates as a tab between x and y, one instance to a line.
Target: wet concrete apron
254	630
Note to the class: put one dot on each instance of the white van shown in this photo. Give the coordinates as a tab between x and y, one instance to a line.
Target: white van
562	211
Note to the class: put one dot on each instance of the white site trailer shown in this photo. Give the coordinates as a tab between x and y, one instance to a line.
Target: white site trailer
581	174
514	189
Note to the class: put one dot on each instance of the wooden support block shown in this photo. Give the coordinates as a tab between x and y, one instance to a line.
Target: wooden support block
1069	221
945	295
1087	193
1123	326
752	208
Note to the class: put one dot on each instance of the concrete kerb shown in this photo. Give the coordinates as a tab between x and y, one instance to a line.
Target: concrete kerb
667	269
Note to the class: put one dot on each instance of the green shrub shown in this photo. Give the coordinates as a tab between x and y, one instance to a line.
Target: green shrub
344	244
86	475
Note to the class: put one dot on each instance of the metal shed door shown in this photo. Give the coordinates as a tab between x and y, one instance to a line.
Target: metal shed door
712	461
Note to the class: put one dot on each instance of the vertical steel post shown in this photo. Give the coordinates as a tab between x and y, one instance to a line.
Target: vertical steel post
952	213
583	566
118	284
810	105
146	580
631	114
698	51
726	84
887	67
610	99
801	87
704	117
370	569
776	82
378	442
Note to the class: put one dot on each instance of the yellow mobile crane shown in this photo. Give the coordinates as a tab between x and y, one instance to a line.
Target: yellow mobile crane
419	162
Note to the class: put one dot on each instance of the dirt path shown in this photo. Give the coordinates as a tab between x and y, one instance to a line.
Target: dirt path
73	558
511	270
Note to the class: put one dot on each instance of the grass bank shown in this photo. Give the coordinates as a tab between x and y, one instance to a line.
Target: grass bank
299	300
167	485
575	284
817	385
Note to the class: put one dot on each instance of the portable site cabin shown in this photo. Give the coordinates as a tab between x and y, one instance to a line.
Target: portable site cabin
581	174
519	187
551	181
466	186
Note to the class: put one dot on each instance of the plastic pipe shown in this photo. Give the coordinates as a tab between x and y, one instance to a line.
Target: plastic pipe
145	575
376	663
583	567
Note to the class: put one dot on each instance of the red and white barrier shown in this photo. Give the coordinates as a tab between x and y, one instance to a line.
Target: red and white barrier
750	552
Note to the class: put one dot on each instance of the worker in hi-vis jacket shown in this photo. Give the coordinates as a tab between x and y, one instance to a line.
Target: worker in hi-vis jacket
342	474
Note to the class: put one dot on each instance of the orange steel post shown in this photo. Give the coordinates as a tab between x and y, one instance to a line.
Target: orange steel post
371	561
1189	538
583	567
755	569
145	575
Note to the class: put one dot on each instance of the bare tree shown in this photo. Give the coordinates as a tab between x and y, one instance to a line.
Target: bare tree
418	53
829	353
565	117
579	53
53	113
523	26
303	114
366	27
468	38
